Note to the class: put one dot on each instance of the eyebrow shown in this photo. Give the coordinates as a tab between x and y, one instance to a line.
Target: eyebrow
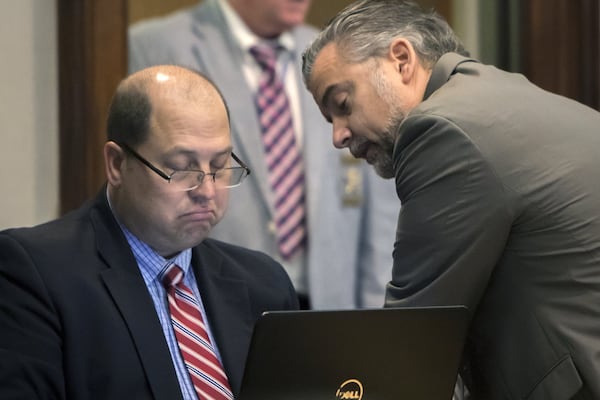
331	89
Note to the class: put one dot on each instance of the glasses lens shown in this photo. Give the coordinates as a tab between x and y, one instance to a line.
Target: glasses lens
223	178
229	177
186	180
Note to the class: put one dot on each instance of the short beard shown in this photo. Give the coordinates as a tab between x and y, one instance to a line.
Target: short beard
384	165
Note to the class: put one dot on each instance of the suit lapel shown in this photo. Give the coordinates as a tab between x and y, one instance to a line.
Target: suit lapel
315	141
217	54
227	305
128	290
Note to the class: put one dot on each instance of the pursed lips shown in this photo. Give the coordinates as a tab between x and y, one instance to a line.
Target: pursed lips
200	214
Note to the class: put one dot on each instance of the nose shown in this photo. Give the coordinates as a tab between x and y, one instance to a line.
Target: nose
206	189
341	135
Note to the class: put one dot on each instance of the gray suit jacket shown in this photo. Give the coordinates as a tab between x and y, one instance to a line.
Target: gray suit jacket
500	185
350	247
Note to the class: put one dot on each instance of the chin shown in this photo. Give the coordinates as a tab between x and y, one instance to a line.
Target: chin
384	169
384	173
195	240
193	234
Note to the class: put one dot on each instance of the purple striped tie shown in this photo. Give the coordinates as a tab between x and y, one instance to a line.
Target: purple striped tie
195	347
284	161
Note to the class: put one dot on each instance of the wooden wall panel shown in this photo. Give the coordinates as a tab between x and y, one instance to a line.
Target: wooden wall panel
561	47
322	11
141	9
92	60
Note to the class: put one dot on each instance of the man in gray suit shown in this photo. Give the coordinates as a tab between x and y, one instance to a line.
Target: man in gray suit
350	212
500	188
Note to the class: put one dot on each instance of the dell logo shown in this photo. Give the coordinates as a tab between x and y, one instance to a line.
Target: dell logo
350	390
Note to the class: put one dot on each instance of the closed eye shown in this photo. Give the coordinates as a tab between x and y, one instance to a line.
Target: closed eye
343	108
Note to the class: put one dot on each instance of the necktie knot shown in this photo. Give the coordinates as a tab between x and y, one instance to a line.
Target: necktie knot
265	56
172	276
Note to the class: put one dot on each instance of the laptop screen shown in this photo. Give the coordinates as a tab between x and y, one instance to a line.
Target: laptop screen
368	354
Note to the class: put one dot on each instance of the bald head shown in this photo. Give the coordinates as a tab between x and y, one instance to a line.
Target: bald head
168	128
140	97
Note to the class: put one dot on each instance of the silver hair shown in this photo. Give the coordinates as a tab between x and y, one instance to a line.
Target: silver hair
365	29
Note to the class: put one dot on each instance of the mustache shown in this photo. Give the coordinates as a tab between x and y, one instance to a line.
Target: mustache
359	148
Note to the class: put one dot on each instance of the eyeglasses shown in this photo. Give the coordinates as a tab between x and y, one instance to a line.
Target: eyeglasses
190	179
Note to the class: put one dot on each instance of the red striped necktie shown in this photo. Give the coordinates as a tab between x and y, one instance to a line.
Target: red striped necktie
195	347
284	161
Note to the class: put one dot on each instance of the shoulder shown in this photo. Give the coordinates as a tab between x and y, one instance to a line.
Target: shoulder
259	271
66	229
47	252
232	249
74	233
241	257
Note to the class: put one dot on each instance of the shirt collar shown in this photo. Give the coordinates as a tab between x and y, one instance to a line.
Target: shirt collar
150	261
443	69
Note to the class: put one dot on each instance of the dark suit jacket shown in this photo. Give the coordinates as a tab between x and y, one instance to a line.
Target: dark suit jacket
500	189
77	322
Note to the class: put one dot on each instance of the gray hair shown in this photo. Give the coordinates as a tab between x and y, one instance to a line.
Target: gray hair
365	29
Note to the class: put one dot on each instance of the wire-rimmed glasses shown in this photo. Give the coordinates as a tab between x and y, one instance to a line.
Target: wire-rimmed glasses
190	179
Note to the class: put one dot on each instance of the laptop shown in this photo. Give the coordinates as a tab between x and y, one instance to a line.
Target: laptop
368	354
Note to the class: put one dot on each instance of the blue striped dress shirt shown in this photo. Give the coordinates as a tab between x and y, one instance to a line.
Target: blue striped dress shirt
151	266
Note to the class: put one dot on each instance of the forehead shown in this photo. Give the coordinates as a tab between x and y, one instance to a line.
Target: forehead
332	74
190	122
327	65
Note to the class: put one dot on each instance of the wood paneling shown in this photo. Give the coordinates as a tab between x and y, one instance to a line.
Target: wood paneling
322	11
561	47
92	60
141	9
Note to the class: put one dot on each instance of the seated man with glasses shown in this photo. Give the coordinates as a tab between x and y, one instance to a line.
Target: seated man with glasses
126	297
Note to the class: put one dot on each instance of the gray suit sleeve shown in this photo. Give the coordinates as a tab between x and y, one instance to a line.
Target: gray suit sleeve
453	223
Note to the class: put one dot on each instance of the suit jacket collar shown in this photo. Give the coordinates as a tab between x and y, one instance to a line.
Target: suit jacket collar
443	70
228	308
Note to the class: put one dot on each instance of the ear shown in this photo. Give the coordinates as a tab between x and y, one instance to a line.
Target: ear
404	57
114	159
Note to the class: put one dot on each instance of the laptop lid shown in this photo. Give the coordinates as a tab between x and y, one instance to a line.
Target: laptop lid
369	354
